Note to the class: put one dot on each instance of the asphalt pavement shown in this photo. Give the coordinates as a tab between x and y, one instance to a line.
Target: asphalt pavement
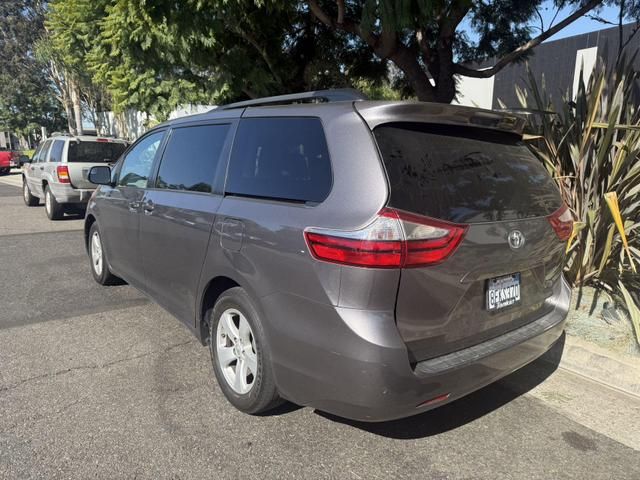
99	382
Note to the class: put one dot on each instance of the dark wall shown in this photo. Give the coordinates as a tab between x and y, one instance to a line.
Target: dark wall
556	60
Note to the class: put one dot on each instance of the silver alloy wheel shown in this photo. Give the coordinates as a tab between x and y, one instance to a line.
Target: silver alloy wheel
96	253
25	192
236	351
47	201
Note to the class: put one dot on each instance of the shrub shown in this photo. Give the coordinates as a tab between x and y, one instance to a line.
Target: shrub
592	147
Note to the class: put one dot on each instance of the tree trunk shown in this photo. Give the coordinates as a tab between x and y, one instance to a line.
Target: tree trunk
445	89
77	107
445	82
416	76
68	108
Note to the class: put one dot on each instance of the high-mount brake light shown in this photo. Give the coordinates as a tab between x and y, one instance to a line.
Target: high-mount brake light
562	222
395	239
62	171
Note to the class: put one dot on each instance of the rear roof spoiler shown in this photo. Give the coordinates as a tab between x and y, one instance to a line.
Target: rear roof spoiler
377	113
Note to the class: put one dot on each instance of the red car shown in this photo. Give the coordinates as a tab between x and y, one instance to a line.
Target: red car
8	159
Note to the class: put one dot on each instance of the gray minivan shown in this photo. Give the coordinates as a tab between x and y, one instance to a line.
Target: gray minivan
370	259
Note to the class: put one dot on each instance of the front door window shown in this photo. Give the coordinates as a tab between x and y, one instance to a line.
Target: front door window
137	164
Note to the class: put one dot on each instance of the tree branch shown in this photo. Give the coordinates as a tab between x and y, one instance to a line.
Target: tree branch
421	39
631	35
521	50
385	45
263	53
541	19
340	11
555	15
600	19
320	14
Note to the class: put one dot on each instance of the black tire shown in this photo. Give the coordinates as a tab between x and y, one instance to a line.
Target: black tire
101	275
29	200
263	395
5	171
55	210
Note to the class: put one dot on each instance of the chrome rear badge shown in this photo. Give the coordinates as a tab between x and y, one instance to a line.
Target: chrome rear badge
516	239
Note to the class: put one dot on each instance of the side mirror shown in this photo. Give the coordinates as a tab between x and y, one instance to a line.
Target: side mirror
100	175
23	159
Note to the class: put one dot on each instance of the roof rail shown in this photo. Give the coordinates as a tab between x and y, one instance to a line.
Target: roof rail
318	96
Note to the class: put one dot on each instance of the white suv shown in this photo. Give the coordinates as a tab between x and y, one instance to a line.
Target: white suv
58	171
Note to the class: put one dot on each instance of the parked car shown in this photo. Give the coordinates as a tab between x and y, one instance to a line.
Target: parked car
58	171
8	159
370	259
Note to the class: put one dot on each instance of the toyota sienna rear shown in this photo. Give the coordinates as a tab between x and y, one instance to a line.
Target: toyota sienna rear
369	259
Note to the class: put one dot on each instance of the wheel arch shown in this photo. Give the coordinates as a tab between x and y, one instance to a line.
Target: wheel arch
210	294
88	222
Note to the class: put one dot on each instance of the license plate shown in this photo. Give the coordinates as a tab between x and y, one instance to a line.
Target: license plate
503	291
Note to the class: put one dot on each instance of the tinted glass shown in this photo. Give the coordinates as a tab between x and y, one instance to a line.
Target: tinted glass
464	175
137	164
42	156
95	152
36	154
280	158
56	151
192	157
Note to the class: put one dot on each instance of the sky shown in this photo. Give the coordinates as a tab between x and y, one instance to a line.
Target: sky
582	25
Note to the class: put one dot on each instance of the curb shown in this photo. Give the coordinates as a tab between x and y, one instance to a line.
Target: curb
617	371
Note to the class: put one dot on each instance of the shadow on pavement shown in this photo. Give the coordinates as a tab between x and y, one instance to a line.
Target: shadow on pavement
71	214
466	409
285	408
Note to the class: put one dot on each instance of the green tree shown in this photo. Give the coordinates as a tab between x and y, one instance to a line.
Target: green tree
72	27
27	99
155	56
425	41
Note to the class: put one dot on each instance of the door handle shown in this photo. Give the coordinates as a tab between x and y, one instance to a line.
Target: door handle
134	206
148	207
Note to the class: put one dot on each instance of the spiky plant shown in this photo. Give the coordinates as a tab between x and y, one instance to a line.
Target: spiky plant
592	148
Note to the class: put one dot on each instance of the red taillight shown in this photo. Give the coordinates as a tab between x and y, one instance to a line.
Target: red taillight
562	222
395	239
63	174
428	241
362	253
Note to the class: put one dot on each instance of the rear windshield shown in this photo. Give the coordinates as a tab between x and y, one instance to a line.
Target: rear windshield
95	152
464	175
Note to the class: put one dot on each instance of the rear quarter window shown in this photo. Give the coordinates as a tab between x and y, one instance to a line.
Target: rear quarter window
56	151
280	158
44	151
465	175
95	152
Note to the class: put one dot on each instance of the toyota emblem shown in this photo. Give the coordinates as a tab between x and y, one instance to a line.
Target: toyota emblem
516	239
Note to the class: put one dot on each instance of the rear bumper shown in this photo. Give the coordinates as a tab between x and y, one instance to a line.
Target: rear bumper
356	366
65	193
